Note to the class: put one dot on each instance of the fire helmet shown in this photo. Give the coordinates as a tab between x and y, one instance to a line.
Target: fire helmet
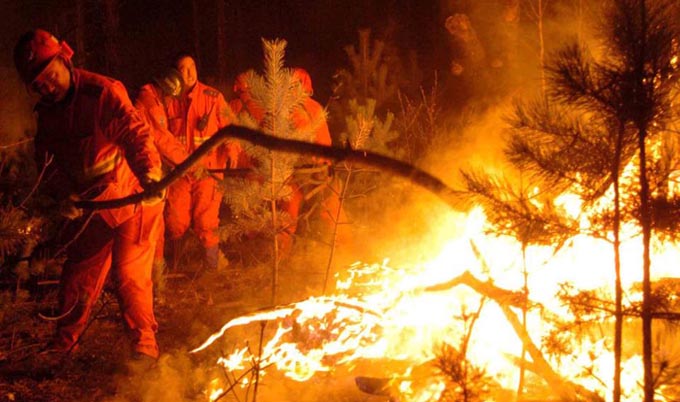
170	82
302	76
35	50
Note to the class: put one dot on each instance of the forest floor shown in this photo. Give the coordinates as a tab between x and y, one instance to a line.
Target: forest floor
191	304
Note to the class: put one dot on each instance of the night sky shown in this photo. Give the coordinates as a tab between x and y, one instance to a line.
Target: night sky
151	31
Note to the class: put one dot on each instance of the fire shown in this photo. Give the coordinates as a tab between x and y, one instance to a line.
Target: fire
403	315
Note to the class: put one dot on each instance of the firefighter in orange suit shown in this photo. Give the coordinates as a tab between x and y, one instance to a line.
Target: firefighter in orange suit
193	200
310	113
244	103
101	150
151	102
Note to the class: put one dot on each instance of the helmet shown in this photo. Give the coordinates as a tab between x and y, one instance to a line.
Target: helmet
35	50
302	76
170	82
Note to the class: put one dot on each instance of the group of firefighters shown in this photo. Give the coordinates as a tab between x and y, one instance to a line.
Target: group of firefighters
103	146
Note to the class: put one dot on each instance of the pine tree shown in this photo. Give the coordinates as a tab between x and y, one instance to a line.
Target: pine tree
643	36
599	115
256	199
370	75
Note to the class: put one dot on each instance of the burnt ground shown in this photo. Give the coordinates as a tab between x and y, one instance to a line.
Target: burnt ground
190	305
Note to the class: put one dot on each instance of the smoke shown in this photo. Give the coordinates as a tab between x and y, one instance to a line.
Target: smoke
402	221
397	220
175	378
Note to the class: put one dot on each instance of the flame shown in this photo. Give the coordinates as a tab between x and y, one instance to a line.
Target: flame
379	312
392	314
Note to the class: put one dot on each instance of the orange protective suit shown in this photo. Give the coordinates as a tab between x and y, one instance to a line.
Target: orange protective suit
310	113
194	118
101	146
152	108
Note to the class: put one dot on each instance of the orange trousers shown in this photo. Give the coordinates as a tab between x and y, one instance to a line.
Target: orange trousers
196	203
127	252
328	212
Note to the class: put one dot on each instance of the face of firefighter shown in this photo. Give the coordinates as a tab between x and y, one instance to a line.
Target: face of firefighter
187	67
53	83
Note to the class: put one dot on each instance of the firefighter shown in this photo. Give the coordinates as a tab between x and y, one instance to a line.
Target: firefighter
245	109
101	149
194	200
311	113
151	102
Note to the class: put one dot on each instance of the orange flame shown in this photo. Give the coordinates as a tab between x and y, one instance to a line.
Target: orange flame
379	312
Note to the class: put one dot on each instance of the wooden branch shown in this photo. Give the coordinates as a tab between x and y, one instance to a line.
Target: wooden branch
506	299
16	144
501	296
48	161
402	169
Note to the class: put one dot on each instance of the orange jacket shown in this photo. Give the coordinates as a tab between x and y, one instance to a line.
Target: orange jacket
244	105
312	113
196	116
100	144
150	104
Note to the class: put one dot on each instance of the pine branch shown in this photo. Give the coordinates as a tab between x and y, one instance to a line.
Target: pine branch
562	149
516	213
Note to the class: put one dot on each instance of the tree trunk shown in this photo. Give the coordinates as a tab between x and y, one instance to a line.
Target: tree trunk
525	309
336	225
221	42
510	32
111	24
195	7
467	53
645	213
80	34
645	222
541	45
618	290
580	21
274	193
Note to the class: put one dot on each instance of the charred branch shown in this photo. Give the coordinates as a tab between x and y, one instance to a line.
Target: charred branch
402	169
506	299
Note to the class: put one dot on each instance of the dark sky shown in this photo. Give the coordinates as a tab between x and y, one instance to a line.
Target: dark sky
151	31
